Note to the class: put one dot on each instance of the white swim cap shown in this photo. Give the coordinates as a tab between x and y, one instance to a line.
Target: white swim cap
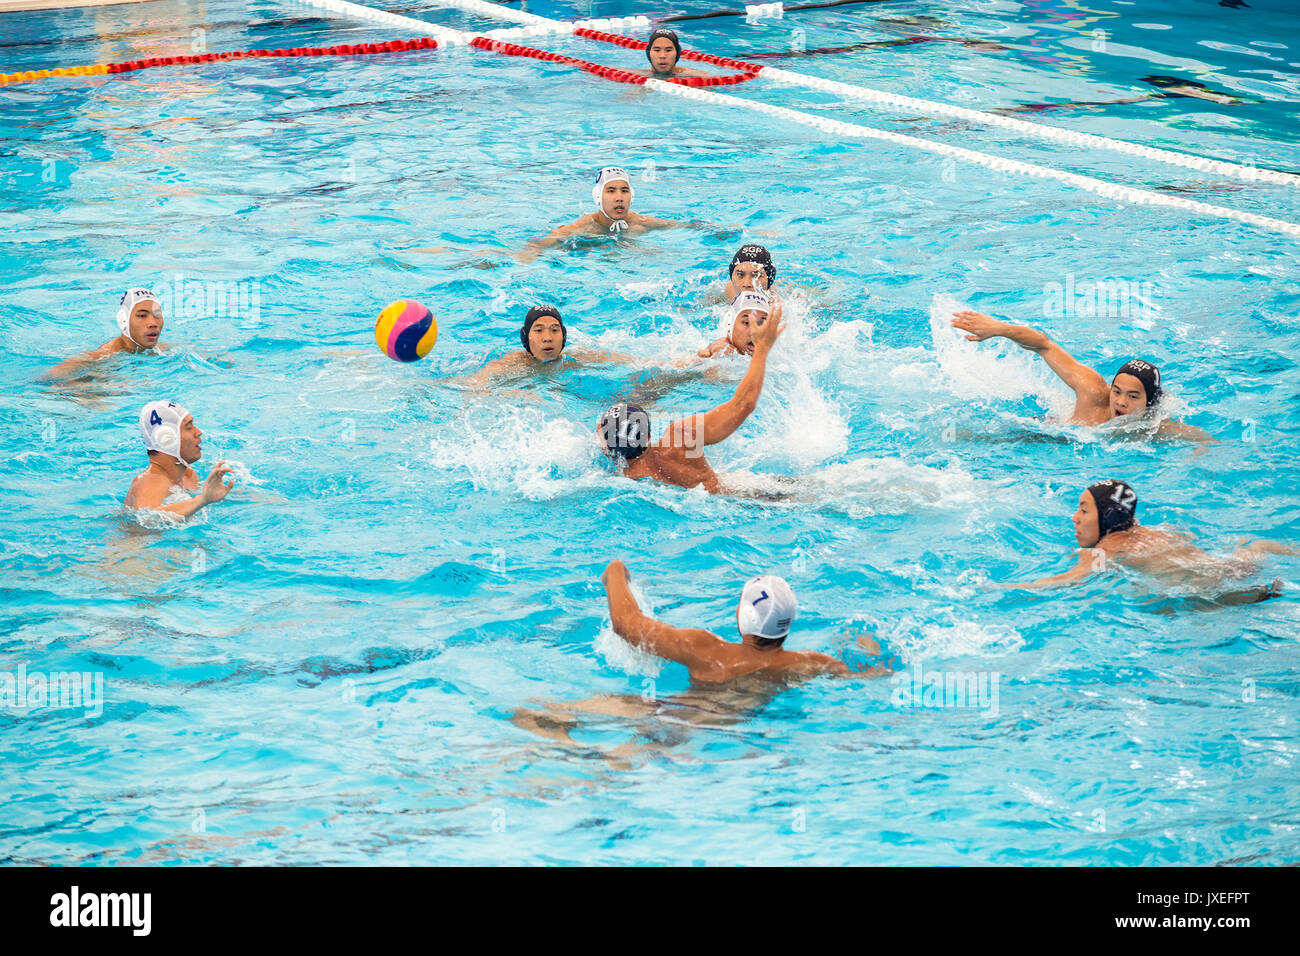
746	301
160	426
130	299
767	607
611	174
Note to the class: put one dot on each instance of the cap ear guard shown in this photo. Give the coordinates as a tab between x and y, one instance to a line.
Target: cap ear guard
167	439
160	427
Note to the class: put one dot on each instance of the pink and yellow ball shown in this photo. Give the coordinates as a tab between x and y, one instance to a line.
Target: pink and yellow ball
406	331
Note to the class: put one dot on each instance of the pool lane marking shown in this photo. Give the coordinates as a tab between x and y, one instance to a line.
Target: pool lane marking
129	66
537	26
358	11
532	25
899	103
683	86
1000	164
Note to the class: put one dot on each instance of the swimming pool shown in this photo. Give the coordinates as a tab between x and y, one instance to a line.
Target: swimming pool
326	671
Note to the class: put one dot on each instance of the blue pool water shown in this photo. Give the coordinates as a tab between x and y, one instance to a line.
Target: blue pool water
324	668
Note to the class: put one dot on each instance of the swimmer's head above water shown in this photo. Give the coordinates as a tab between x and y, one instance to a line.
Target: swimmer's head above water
1135	388
624	433
663	50
752	268
613	196
168	429
748	311
140	318
1106	507
766	610
543	334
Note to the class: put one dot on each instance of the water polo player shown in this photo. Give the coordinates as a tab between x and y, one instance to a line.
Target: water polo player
678	457
764	615
140	325
1106	528
751	270
1134	389
748	311
174	442
663	50
543	339
612	194
1168	87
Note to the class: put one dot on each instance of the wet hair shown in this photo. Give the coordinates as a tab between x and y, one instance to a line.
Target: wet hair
754	253
768	641
1116	506
535	313
625	430
1147	374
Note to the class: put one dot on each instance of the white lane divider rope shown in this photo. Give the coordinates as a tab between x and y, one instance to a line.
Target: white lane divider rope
897	101
544	26
556	27
1130	194
534	26
421	27
852	131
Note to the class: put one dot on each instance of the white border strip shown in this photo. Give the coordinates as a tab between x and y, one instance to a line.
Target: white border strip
851	131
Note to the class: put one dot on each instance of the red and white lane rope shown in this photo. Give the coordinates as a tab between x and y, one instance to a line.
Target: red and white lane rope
130	66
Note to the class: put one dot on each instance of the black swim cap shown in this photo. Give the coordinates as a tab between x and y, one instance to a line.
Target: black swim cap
1116	505
1164	82
754	254
625	429
535	313
662	34
1147	374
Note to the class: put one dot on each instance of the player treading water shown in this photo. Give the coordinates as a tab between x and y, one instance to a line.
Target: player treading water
612	194
1134	389
140	325
766	610
544	338
730	680
748	311
1106	528
751	270
663	50
174	442
678	457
